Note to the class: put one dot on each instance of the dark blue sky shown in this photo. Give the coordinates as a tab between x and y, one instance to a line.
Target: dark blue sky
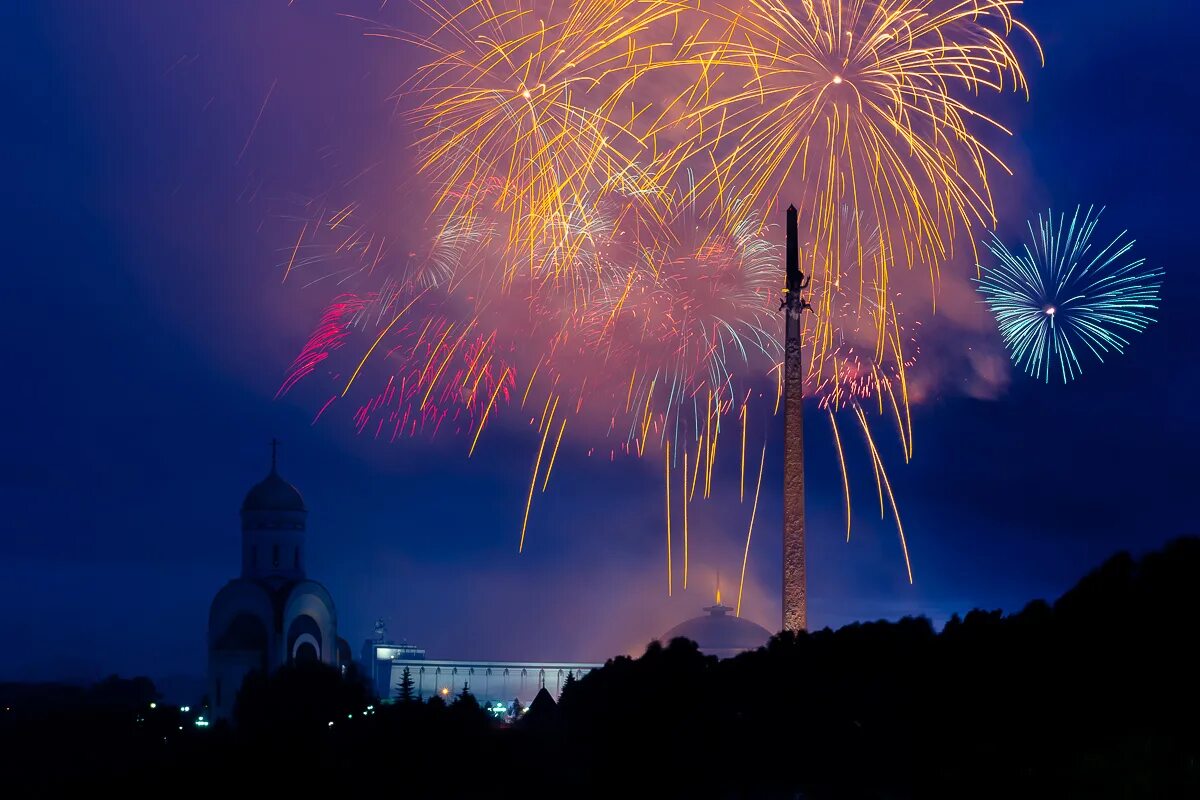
145	335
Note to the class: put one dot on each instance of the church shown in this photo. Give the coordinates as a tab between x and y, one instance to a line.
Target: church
273	614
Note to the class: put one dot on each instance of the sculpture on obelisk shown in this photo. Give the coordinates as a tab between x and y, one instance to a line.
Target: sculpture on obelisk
795	593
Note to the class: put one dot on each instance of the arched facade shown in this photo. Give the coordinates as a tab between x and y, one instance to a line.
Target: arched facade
309	616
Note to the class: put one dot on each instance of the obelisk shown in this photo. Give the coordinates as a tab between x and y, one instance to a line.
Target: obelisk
795	596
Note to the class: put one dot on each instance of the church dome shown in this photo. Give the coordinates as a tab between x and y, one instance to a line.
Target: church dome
719	634
273	493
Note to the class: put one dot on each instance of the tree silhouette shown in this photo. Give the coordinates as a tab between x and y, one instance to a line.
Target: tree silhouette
405	687
466	714
1093	695
298	700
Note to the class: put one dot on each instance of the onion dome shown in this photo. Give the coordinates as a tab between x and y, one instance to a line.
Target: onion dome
273	493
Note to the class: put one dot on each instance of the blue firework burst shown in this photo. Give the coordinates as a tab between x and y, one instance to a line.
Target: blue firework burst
1060	296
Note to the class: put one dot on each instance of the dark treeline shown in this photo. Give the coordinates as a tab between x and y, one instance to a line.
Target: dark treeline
1095	695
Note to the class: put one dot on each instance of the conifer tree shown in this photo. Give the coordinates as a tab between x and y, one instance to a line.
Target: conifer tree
405	687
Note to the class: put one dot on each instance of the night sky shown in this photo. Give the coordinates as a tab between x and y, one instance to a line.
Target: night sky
146	333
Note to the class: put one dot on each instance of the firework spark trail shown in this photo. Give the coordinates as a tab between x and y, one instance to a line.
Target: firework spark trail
375	344
554	455
292	261
684	494
753	511
742	479
837	439
881	475
330	335
257	119
1058	294
537	465
488	410
667	462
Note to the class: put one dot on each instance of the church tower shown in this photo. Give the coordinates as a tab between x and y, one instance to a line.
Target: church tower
272	615
273	520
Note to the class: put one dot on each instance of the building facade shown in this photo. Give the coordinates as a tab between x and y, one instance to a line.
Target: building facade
377	656
492	682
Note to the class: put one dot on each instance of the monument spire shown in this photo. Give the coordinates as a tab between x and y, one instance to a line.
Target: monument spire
795	594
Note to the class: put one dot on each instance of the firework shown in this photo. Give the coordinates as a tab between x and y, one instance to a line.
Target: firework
859	103
597	251
1061	296
515	115
688	304
857	349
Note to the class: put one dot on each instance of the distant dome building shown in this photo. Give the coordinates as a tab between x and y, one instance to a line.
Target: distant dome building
718	633
272	615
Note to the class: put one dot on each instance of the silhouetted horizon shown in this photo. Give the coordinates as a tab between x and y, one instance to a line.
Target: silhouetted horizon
148	333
